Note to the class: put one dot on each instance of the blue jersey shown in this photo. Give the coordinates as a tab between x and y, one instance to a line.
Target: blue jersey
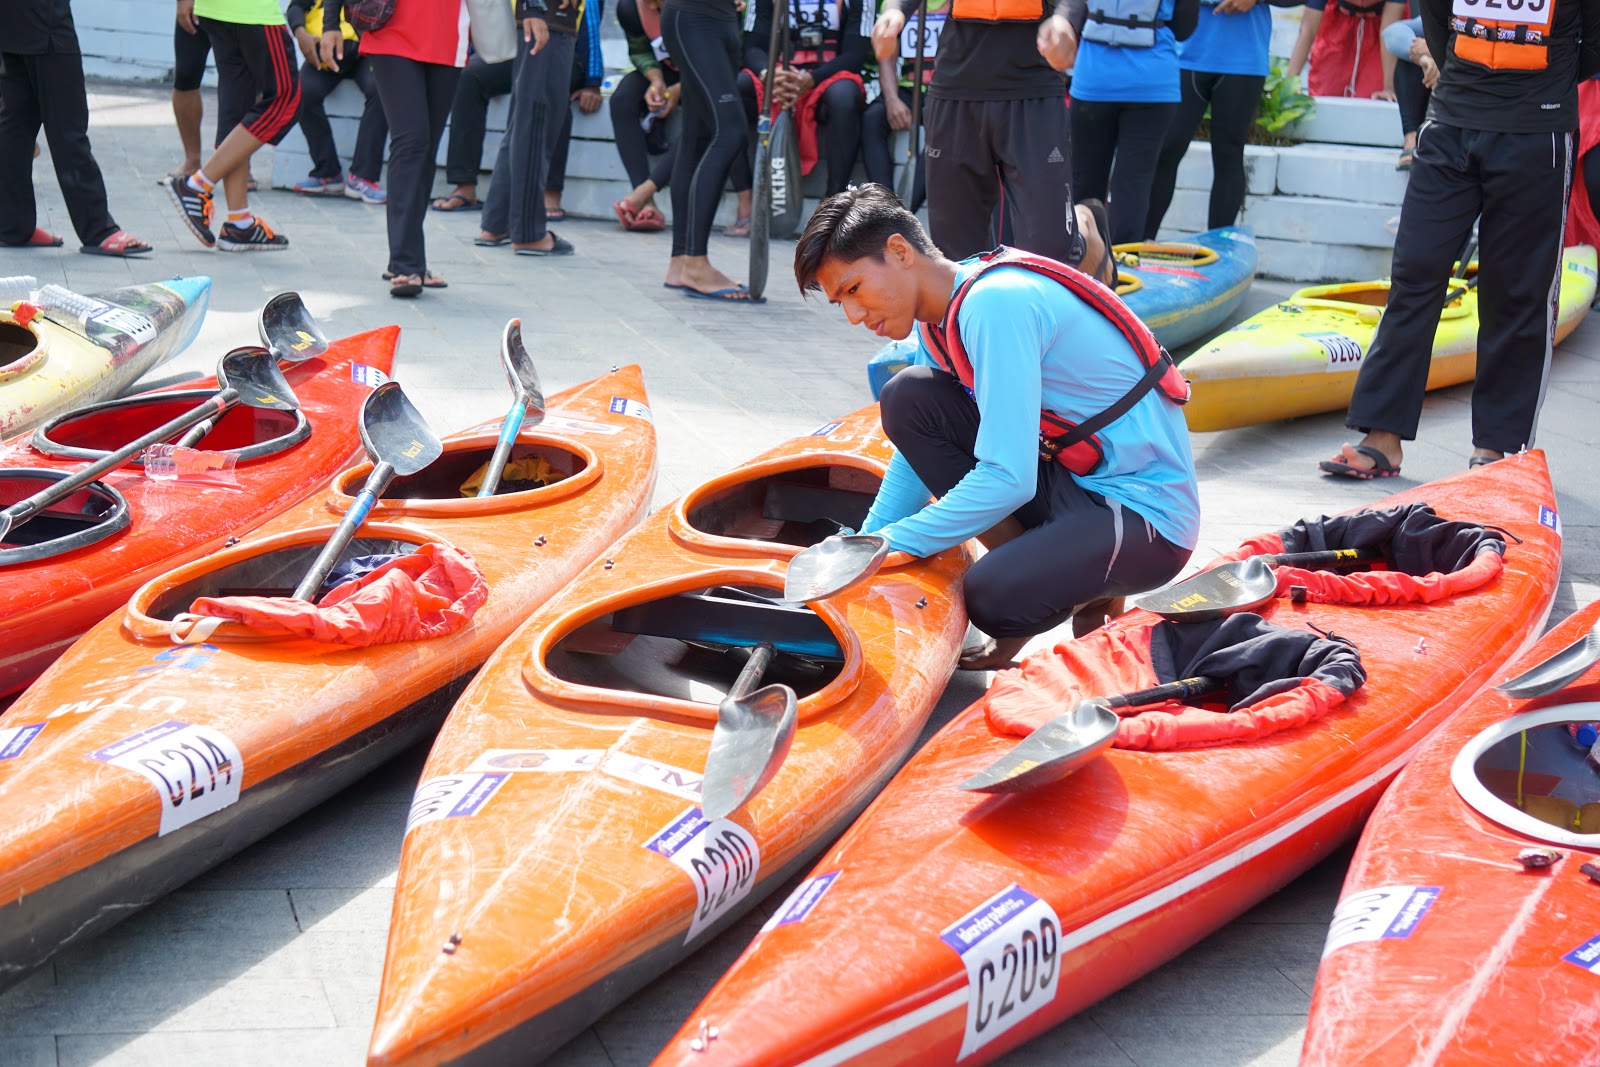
1228	44
1130	75
1035	346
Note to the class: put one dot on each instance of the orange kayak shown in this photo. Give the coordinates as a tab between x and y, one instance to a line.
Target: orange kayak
1444	947
81	560
556	858
142	762
949	926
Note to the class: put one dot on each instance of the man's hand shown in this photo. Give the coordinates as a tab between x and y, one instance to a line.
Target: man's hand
655	95
673	95
1057	43
331	48
790	85
303	38
1235	7
536	30
186	17
588	99
1384	94
886	35
895	109
1430	71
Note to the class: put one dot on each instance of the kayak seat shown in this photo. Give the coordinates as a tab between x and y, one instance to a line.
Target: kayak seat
91	514
794	507
732	615
446	477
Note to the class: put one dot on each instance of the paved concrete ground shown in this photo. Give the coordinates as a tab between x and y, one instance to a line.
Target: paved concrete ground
275	956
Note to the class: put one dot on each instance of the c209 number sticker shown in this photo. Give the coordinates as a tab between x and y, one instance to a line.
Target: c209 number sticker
1011	946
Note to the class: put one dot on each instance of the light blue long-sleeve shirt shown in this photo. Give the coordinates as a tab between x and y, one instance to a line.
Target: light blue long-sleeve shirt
1035	346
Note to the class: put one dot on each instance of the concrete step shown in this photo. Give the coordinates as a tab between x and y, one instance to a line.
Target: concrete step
1341	121
1260	168
1340	171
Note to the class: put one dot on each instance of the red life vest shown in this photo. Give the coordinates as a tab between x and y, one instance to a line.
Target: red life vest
1517	42
1076	446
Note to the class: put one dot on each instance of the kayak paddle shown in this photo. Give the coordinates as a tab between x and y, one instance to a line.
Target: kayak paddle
247	376
1242	585
833	565
1556	672
398	441
907	185
754	730
1068	741
527	403
761	208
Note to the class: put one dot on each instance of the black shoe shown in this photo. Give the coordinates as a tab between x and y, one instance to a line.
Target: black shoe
257	237
193	205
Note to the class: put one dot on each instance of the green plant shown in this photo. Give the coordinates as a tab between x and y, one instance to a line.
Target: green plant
1283	103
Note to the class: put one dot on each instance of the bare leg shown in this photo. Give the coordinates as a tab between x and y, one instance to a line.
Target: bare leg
1094	615
230	165
187	110
642	196
1095	254
696	272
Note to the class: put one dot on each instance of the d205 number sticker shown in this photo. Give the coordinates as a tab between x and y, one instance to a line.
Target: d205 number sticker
1386	912
1342	352
720	857
1011	946
196	770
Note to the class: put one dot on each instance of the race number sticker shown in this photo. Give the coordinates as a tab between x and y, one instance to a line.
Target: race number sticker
817	12
1535	13
122	320
371	377
196	770
453	796
658	46
15	740
720	857
827	429
930	37
1387	912
807	895
548	760
577	424
1011	947
621	405
1343	352
1549	519
1586	955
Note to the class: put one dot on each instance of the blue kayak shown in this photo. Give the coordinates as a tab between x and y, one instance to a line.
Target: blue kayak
1188	288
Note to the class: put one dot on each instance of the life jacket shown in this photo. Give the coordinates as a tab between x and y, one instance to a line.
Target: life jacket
933	20
1347	54
1076	446
998	10
1518	41
1123	23
823	22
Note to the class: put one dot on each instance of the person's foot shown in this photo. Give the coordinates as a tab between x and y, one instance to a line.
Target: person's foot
195	207
405	285
257	237
705	279
461	198
740	227
1366	460
358	188
1096	614
311	185
995	654
549	245
552	211
1483	456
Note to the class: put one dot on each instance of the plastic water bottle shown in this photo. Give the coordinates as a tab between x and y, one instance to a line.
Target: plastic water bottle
17	287
117	329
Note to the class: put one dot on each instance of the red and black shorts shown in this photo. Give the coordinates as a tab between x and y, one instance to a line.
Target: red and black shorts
258	85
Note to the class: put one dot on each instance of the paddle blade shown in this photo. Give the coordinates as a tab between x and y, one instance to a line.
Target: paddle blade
761	211
1238	586
1557	672
394	432
521	373
289	331
1051	752
833	565
748	745
253	373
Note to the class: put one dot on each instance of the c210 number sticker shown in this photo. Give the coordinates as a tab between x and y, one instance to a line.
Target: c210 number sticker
1388	911
1342	352
196	770
720	857
1011	946
453	796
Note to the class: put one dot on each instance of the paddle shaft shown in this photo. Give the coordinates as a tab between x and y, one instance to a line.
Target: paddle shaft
750	676
23	510
1182	689
1457	294
1337	557
908	184
502	447
377	481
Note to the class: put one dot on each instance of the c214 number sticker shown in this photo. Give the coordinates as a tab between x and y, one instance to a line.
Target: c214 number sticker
196	770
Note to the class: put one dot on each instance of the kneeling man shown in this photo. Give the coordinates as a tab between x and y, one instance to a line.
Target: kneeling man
1040	417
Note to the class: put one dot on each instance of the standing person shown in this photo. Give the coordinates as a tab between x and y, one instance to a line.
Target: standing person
1498	142
258	96
41	84
1223	66
1343	45
1124	95
1014	352
417	58
319	76
702	36
514	213
997	117
588	71
892	110
469	121
191	49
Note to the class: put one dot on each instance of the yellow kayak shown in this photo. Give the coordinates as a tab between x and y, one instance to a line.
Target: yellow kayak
67	350
1300	357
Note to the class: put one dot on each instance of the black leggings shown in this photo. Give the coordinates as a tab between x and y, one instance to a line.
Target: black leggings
1025	586
416	101
706	48
1129	133
1411	95
839	116
1232	99
877	146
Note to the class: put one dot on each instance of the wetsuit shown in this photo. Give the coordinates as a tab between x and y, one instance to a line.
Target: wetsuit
702	36
1127	527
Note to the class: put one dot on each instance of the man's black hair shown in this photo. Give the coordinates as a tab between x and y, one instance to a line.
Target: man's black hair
853	225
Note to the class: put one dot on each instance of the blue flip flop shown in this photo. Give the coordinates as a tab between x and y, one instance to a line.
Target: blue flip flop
725	296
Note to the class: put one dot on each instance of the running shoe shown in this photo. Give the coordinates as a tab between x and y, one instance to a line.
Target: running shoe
193	205
315	186
257	237
367	192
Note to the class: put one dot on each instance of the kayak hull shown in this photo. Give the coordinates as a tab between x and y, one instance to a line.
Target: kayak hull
1301	357
1484	961
1094	880
296	719
598	739
1181	301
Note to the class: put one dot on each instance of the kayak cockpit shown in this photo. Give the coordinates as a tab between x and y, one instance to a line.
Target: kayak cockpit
91	514
539	469
778	508
1537	773
21	349
90	433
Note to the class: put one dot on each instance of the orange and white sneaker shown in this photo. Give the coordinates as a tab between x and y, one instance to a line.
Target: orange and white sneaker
256	237
195	207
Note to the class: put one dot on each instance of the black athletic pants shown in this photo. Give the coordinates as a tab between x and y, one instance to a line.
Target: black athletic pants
706	48
315	85
627	109
1114	149
416	101
557	179
1078	547
48	91
1519	182
877	146
257	84
975	146
839	118
480	83
539	97
1232	99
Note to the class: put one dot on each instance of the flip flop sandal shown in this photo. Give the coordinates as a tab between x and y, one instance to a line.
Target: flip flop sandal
457	202
120	244
431	280
1381	468
729	295
405	285
492	242
1406	159
1481	461
650	220
41	238
558	215
558	247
